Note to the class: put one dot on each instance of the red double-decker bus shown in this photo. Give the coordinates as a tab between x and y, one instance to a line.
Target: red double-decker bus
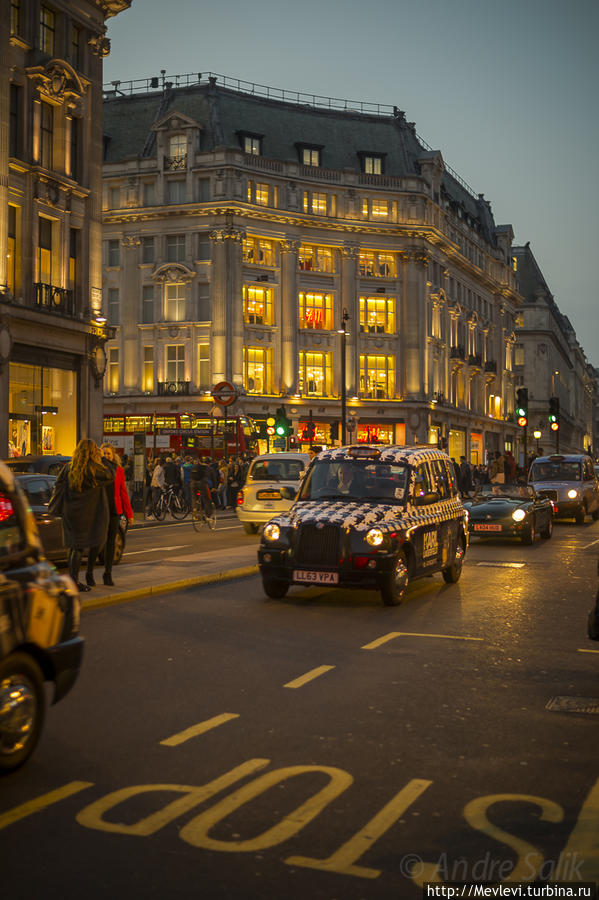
183	433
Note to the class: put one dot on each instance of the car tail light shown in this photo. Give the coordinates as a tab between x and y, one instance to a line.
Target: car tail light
240	498
7	510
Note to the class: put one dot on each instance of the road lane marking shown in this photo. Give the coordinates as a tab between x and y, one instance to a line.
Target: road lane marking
33	806
155	549
200	728
580	650
502	565
592	544
394	634
309	676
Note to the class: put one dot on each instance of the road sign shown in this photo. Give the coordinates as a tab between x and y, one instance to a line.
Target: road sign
224	393
279	443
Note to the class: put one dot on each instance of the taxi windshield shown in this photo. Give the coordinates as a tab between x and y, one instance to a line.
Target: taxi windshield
356	479
555	471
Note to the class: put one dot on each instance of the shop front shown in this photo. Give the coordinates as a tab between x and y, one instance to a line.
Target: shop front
456	443
476	448
43	405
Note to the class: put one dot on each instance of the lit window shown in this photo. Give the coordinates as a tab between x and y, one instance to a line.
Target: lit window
12	249
147	377
112	370
519	355
47	29
252	143
380	265
177	146
311	156
258	252
315	203
372	165
377	377
315	374
257	305
15	16
316	311
261	197
175	362
257	370
45	251
377	315
175	302
315	259
74	244
377	209
204	366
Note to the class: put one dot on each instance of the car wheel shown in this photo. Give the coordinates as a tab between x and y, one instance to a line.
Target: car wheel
250	528
22	709
396	582
274	588
529	534
581	516
119	548
452	573
548	530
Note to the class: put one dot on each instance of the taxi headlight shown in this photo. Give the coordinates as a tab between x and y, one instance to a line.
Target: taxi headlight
572	494
272	532
375	537
518	515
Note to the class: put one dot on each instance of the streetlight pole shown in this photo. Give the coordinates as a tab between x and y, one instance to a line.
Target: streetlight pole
343	333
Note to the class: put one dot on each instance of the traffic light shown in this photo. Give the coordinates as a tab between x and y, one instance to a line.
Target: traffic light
522	406
270	426
282	423
334	431
554	413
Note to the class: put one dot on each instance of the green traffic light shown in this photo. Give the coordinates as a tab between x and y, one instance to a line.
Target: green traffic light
280	430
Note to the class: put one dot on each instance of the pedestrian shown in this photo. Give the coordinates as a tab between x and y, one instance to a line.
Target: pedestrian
148	472
496	469
186	469
221	488
158	482
465	476
128	469
79	498
118	503
172	474
510	467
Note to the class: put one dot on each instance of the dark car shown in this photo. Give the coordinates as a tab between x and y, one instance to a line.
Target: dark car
38	490
504	510
368	517
569	481
49	465
39	625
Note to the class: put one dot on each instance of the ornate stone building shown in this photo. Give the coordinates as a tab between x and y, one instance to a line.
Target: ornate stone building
248	238
550	362
51	341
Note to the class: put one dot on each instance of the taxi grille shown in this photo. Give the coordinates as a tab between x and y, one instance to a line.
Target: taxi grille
317	546
551	495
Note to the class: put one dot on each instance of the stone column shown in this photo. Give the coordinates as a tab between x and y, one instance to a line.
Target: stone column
414	301
130	314
288	380
348	301
227	314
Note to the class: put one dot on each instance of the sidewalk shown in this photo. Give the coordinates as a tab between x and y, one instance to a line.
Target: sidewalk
140	520
140	579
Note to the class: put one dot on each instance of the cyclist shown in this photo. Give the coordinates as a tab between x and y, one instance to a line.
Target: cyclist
201	485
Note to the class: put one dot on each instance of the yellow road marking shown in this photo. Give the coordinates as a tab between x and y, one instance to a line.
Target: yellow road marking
33	806
394	634
200	728
587	651
309	676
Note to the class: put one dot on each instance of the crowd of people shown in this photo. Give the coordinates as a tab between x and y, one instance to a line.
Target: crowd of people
502	468
90	495
224	479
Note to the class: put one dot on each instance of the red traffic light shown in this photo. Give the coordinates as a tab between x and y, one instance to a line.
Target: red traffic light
522	421
270	429
554	426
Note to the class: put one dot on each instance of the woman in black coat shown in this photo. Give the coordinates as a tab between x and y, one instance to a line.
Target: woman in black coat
84	507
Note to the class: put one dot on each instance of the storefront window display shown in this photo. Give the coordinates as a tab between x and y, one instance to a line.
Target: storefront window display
42	410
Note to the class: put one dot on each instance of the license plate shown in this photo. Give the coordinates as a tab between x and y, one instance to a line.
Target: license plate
268	495
486	527
304	577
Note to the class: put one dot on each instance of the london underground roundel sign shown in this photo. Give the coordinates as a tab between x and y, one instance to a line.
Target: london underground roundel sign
224	393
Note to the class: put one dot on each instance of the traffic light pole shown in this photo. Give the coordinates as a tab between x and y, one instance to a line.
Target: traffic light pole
343	332
525	442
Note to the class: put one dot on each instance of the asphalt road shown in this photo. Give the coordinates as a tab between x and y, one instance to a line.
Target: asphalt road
172	539
223	745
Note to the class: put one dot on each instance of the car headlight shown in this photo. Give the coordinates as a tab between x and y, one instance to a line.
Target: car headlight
272	532
572	494
518	515
375	537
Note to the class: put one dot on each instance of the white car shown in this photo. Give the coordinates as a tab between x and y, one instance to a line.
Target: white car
271	487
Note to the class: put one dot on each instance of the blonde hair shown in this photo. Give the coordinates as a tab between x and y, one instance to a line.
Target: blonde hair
83	465
111	454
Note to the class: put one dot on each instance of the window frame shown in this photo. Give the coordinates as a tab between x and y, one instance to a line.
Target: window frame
377	389
47	30
177	302
249	369
389	313
308	368
251	315
176	359
318	312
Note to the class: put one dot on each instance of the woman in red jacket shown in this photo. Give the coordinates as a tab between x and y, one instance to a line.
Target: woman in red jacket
118	502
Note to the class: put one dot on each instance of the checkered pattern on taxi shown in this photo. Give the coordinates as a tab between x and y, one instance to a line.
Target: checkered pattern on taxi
411	456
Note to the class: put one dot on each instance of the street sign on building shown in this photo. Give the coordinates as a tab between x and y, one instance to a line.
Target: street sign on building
224	393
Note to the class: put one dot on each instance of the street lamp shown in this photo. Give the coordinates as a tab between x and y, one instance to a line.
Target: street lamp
537	435
343	333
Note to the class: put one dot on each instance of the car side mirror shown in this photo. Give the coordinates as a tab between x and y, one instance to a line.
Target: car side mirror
288	493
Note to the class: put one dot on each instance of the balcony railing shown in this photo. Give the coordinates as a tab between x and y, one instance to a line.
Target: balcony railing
166	388
491	366
54	299
175	163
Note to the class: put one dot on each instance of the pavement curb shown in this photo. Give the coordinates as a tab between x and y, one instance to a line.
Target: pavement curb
155	590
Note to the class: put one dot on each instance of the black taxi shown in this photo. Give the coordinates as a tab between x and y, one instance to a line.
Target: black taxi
368	517
39	627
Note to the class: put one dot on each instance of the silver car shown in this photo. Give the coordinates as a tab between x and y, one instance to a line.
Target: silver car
569	481
271	487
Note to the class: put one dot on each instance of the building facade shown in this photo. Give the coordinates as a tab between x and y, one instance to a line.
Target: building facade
257	239
550	362
51	331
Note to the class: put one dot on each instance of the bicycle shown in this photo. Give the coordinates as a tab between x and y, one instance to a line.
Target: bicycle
199	516
170	500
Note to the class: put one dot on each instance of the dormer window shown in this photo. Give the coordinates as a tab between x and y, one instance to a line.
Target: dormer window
251	143
372	163
310	154
177	153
